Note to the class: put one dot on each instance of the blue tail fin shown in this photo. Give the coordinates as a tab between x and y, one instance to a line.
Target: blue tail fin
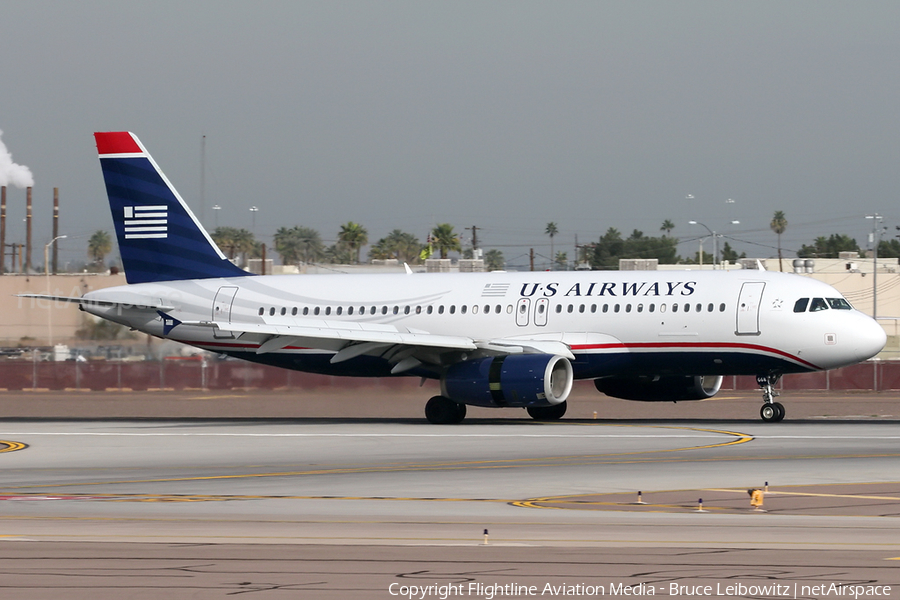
159	237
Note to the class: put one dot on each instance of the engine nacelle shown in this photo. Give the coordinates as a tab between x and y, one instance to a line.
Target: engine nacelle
661	389
511	380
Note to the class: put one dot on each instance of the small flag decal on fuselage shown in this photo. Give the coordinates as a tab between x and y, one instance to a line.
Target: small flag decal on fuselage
146	222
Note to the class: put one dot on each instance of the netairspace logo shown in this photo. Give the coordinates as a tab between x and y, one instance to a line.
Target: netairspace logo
671	590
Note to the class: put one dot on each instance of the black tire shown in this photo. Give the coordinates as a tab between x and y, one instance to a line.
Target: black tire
770	413
547	413
780	407
444	411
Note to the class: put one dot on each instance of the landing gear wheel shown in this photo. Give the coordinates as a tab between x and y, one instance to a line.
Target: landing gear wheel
444	411
772	412
780	408
547	413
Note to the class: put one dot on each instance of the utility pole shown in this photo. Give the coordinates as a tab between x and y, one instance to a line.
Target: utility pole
474	238
531	258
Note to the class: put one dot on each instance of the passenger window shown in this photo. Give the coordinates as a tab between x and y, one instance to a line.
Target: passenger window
801	304
628	308
349	310
430	309
559	308
640	308
651	308
687	307
593	308
283	310
327	310
606	308
452	309
316	311
396	310
662	308
675	307
340	309
406	310
305	310
570	308
722	307
261	311
474	309
272	312
616	308
581	308
441	309
710	307
699	307
487	309
817	305
294	312
498	309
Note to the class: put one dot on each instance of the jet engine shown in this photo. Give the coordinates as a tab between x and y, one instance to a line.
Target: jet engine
523	380
671	388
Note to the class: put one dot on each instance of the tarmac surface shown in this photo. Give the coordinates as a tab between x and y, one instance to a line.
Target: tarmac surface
144	495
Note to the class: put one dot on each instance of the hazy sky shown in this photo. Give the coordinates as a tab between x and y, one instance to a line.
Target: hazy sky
504	115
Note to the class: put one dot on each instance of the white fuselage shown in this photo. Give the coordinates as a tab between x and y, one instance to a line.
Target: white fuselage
631	322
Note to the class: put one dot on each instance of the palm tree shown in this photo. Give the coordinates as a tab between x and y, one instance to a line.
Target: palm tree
493	260
445	239
403	246
778	225
99	246
299	244
667	226
234	241
551	230
354	236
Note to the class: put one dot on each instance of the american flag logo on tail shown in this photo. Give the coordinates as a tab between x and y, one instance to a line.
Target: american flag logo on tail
143	222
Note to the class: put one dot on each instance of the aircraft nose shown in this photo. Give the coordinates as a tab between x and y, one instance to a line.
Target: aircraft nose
870	338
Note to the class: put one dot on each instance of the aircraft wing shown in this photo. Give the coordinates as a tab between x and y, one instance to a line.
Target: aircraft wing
406	349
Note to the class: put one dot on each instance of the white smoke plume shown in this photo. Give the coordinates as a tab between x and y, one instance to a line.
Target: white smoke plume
10	172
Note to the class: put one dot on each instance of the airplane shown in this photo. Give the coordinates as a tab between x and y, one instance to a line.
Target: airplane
498	339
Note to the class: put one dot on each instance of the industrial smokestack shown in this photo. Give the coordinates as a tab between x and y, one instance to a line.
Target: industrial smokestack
27	229
55	228
2	230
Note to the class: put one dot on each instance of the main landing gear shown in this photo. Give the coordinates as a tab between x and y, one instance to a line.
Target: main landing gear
771	411
444	411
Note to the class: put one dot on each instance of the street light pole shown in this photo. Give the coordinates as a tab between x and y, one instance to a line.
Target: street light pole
47	274
876	219
715	244
253	211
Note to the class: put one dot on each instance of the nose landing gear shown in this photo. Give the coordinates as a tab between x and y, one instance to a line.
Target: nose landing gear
771	411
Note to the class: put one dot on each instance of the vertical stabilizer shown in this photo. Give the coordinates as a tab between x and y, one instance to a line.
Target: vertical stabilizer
159	237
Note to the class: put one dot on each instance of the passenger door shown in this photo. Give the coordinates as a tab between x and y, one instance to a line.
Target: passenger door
748	308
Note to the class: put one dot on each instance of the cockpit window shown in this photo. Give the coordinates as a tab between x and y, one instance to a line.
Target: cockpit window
839	304
818	304
801	304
